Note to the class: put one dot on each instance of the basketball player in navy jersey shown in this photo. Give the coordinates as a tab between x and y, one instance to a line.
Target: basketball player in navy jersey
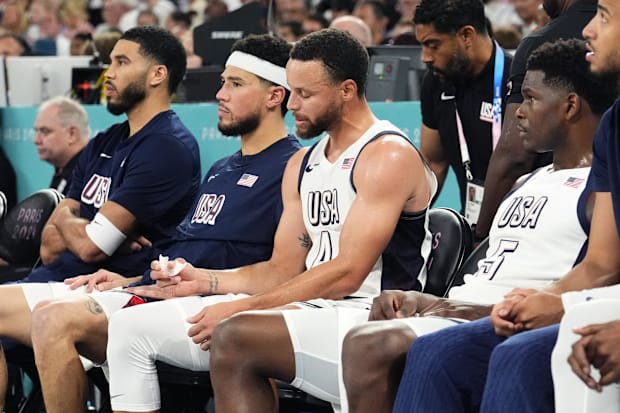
354	221
232	222
125	196
503	364
546	215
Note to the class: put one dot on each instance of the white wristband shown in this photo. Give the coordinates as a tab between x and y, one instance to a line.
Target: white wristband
104	234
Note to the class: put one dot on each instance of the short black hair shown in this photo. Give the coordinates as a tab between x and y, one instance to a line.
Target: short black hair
448	16
564	65
343	56
269	48
161	46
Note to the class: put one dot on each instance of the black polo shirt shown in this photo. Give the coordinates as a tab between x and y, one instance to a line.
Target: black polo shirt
566	26
472	96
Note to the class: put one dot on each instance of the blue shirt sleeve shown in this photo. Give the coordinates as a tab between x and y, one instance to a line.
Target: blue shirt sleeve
600	167
149	192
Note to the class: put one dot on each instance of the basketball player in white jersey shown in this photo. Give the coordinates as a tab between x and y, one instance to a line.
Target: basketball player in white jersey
539	233
354	221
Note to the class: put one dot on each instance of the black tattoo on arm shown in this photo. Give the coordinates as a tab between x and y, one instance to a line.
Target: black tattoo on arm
94	307
214	282
305	241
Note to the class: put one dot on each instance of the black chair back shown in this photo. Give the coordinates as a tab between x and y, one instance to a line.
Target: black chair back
452	243
20	231
470	265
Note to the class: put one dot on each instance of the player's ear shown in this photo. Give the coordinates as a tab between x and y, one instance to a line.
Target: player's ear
348	89
276	96
159	73
573	106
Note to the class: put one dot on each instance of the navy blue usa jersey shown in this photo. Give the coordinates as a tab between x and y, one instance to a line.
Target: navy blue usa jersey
155	174
234	219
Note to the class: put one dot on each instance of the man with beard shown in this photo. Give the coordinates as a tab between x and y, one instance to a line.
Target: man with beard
462	93
510	160
126	199
232	222
505	362
354	222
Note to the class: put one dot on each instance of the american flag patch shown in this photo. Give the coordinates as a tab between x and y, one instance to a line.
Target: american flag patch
247	180
347	163
574	182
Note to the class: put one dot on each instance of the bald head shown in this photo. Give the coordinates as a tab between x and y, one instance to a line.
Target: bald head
354	26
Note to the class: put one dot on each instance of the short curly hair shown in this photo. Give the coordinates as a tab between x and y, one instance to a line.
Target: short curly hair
564	65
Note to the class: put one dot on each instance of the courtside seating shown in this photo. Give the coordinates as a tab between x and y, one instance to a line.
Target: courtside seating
189	391
452	242
20	233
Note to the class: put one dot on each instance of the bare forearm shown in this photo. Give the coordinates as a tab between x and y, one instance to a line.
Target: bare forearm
586	275
72	229
52	244
251	279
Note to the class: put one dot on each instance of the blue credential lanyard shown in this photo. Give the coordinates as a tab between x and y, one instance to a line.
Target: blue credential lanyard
496	129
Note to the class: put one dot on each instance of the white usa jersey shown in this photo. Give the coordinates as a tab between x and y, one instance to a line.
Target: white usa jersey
327	192
538	234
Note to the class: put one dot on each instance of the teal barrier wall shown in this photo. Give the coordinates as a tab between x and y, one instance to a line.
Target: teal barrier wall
201	119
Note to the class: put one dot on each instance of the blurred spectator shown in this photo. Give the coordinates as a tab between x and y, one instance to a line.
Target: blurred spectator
112	12
501	13
313	23
402	27
104	43
336	8
215	9
13	45
507	37
14	18
290	10
147	18
178	23
528	11
291	31
74	18
374	15
197	8
406	8
355	26
81	44
162	8
61	132
45	31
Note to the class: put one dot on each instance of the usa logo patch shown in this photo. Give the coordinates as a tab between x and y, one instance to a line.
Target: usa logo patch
247	180
574	182
347	163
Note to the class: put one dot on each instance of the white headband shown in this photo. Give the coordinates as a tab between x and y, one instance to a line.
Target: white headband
259	67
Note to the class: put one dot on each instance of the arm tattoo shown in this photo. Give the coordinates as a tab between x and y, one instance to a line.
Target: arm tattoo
305	240
214	282
94	307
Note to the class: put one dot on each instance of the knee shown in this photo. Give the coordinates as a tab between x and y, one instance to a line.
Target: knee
231	338
50	321
375	345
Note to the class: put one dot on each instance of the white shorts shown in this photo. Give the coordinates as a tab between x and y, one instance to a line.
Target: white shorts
111	300
139	336
317	335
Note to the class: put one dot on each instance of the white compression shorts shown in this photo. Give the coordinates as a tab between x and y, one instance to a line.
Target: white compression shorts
571	394
317	335
139	336
111	301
